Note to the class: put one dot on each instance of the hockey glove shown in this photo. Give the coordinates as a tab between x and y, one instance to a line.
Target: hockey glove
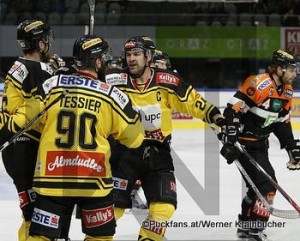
229	129
56	62
293	150
230	153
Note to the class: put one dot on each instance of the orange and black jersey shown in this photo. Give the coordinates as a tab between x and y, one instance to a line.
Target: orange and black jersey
262	105
164	92
24	80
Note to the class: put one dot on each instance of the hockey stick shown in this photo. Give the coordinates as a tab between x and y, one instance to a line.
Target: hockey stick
271	180
289	214
30	123
92	15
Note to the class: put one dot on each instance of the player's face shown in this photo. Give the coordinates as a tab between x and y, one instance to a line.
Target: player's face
136	61
290	75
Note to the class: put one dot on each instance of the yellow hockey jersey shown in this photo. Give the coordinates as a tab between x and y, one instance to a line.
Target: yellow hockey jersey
24	80
164	92
73	156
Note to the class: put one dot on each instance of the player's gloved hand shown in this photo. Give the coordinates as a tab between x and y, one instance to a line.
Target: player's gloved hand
56	62
229	129
230	153
293	150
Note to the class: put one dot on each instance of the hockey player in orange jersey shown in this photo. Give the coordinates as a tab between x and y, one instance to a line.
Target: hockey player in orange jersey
261	106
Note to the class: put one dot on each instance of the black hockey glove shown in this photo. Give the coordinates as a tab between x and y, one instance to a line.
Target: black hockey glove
293	150
230	153
229	129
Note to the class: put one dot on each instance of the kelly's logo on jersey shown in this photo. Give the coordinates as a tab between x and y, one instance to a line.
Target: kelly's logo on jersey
97	217
74	163
166	78
45	218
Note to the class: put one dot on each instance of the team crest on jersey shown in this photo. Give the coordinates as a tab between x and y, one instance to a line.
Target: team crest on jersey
250	91
264	84
166	78
116	79
288	93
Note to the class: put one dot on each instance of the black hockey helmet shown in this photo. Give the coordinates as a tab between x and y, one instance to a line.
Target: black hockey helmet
160	56
283	58
30	32
149	44
138	43
88	48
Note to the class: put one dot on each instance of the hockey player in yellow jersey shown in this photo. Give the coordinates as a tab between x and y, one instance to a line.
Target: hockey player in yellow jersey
73	158
155	93
23	80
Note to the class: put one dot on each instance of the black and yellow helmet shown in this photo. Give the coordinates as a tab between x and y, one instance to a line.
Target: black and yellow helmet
30	32
283	58
88	48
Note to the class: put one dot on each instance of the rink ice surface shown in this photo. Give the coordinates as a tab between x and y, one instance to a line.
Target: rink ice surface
189	146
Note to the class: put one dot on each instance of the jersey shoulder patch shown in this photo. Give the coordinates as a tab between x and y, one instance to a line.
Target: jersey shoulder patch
116	78
18	71
167	78
49	84
119	97
264	84
47	68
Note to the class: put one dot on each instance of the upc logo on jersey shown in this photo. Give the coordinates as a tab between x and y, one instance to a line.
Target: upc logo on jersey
74	163
264	84
120	183
166	78
45	218
121	98
116	79
150	116
97	217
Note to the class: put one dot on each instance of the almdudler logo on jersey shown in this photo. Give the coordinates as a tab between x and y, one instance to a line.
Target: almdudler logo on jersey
166	78
97	217
45	218
74	163
292	40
